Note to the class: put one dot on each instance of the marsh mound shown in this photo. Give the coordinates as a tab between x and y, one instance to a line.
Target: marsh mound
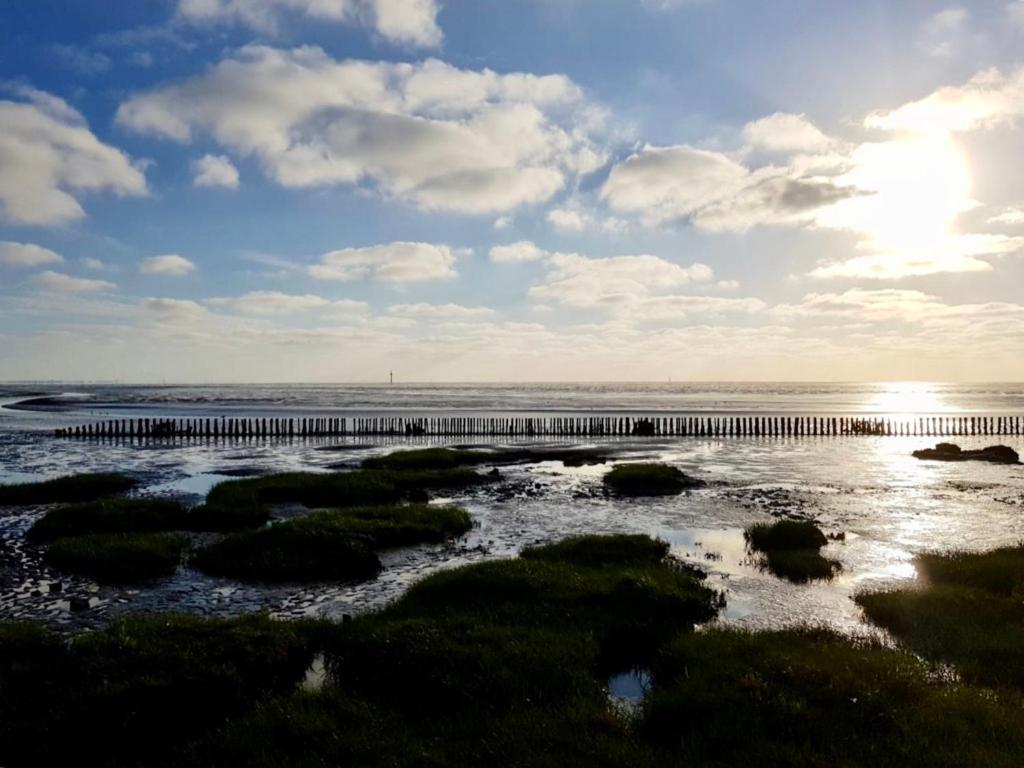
116	515
118	558
791	550
329	545
997	454
72	488
649	480
967	612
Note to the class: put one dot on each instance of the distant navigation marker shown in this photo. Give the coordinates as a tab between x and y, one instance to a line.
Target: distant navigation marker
391	376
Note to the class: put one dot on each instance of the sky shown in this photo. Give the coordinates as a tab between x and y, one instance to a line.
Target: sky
511	190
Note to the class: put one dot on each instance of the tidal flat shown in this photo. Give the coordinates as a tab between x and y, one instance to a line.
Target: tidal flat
442	604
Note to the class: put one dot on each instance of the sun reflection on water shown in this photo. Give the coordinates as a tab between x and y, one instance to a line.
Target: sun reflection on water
904	399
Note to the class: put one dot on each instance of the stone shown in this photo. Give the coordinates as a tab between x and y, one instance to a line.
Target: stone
997	454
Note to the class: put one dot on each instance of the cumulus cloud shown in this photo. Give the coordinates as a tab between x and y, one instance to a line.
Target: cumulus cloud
392	263
785	133
49	157
436	136
411	22
170	265
714	191
271	303
439	311
518	252
215	171
586	283
174	308
27	255
988	99
567	219
58	282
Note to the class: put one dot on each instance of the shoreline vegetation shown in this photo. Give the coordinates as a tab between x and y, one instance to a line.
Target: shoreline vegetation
505	661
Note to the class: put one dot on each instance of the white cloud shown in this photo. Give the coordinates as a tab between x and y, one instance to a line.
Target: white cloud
988	99
271	303
502	223
566	220
585	283
942	34
170	264
439	137
1013	215
950	253
402	21
48	157
215	171
26	255
439	311
58	282
519	252
93	263
393	263
175	308
784	133
713	191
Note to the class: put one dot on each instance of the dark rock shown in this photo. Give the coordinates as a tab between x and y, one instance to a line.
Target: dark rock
998	454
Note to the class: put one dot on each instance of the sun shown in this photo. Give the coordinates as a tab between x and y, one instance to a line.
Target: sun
909	193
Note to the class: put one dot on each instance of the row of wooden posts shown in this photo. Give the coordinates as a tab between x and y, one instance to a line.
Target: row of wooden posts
556	426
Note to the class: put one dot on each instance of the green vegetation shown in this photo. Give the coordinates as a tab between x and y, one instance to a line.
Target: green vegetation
649	480
86	487
118	558
239	504
450	458
143	686
383	527
813	698
501	663
791	550
598	551
109	516
968	614
287	552
330	545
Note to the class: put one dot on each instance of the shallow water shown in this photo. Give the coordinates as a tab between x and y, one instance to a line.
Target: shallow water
888	504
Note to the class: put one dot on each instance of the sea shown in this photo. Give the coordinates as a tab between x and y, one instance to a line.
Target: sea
880	505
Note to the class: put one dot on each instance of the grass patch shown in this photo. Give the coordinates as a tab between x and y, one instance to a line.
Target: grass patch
450	458
814	698
597	551
85	487
790	550
290	553
968	613
649	480
395	526
118	558
109	516
137	691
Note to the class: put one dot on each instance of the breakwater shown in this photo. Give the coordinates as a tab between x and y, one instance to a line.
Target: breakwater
554	426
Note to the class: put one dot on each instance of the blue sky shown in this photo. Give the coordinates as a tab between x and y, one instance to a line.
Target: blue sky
327	190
